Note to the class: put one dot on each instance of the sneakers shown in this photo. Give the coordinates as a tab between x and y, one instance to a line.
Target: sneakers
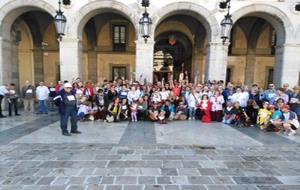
163	122
66	134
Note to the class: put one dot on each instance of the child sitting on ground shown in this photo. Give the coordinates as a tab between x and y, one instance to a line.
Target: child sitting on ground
86	112
123	110
228	113
181	112
275	119
264	115
240	117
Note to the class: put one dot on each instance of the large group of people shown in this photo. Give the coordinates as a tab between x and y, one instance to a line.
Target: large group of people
272	109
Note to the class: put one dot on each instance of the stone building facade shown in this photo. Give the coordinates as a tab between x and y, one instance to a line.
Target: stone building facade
102	41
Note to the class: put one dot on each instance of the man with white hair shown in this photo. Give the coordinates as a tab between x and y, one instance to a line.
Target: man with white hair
66	101
28	95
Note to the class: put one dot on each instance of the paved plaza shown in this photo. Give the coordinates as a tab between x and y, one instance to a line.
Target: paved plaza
186	155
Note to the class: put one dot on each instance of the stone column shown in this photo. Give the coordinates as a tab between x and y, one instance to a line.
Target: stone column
287	66
8	62
250	66
38	65
216	61
144	60
70	59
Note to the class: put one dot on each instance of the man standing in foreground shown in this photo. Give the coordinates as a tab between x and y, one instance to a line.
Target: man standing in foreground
66	100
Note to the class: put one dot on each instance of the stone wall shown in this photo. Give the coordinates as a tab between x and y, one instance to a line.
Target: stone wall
279	14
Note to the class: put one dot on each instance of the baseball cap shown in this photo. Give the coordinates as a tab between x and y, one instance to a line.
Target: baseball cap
68	85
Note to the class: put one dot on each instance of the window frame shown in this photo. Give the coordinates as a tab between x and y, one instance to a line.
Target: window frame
119	47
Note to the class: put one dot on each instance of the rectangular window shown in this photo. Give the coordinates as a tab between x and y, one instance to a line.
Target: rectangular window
270	76
119	72
119	38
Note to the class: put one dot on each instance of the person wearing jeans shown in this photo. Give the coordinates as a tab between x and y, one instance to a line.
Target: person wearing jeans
43	108
192	105
66	101
42	95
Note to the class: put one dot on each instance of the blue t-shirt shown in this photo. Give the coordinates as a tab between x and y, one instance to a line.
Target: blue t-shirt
277	114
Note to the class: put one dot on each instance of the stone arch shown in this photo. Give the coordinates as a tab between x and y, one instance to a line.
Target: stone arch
13	9
276	17
85	13
181	27
197	11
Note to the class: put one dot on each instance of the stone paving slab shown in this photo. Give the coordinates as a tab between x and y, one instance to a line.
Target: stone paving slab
16	127
11	122
161	172
93	132
176	156
176	133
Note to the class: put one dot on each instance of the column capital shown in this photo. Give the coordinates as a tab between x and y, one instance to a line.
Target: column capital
226	44
143	43
294	45
69	40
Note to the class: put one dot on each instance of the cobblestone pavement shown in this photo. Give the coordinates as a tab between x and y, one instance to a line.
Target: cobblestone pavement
147	156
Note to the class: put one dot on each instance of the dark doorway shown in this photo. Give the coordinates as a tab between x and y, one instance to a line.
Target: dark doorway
228	75
172	55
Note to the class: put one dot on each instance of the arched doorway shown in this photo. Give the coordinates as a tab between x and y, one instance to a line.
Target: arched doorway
263	31
34	40
252	51
34	49
181	42
172	56
29	49
108	47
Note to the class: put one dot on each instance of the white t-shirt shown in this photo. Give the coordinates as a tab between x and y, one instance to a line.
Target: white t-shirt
83	109
42	92
192	101
3	90
242	98
164	95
